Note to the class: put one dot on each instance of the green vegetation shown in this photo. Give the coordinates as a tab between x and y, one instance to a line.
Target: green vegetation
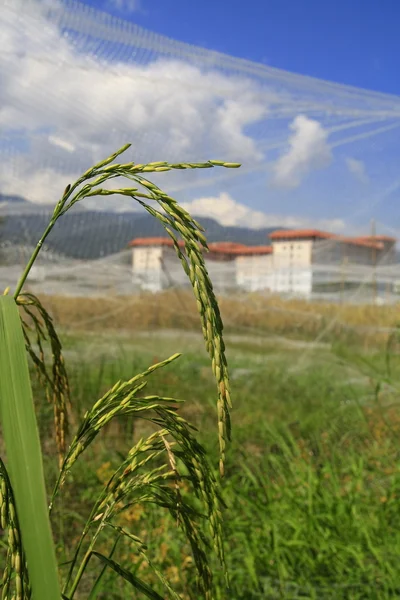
312	476
312	483
166	468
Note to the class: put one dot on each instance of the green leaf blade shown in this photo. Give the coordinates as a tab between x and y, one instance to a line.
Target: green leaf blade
24	456
138	584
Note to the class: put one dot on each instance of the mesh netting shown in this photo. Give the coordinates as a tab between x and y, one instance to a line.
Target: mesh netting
313	481
78	83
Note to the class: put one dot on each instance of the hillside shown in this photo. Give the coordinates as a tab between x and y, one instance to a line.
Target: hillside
88	234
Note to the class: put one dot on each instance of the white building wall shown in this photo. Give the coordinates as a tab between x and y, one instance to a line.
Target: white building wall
222	274
295	267
255	273
146	267
156	268
292	253
327	252
327	257
339	265
292	280
173	274
360	255
387	256
292	267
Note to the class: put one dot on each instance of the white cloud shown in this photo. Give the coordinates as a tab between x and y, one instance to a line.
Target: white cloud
227	211
43	186
308	150
72	110
357	168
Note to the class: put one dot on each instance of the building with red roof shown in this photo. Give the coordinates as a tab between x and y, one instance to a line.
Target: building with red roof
309	260
298	262
229	264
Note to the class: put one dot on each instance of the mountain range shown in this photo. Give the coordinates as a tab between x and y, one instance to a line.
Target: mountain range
91	234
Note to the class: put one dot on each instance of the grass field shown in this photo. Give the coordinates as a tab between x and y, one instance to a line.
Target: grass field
313	473
251	313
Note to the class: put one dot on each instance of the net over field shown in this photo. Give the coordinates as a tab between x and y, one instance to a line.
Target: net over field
318	158
303	256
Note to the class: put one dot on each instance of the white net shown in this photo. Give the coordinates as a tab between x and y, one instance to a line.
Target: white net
78	83
303	241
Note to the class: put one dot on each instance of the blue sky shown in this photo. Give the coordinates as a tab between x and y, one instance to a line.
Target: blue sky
313	154
355	42
352	42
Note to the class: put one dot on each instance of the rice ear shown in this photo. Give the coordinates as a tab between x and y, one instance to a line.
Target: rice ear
55	382
176	222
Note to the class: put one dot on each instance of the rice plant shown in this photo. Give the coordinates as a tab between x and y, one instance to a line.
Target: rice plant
168	468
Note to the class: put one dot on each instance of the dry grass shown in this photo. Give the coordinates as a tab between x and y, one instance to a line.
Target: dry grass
251	312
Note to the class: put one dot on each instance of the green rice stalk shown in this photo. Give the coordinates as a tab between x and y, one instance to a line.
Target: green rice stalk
142	551
94	592
55	383
176	221
15	575
121	399
136	481
154	486
24	459
135	582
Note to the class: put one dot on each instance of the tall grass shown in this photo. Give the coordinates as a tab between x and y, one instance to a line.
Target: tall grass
312	476
246	313
166	468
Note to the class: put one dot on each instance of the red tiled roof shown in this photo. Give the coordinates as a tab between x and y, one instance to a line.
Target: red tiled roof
367	242
234	249
299	234
227	248
255	250
378	238
302	234
154	241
